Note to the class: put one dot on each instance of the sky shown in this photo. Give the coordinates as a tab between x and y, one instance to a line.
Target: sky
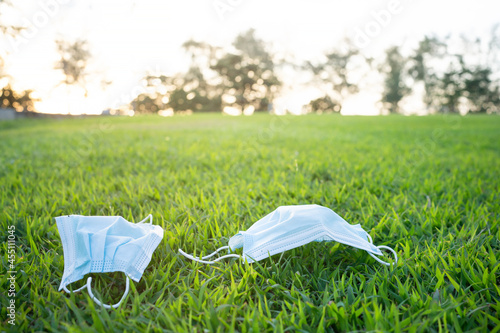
129	38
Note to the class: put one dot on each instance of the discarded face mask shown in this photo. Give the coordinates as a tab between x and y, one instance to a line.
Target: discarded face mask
289	227
103	244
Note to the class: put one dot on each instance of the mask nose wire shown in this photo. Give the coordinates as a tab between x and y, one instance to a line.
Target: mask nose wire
203	261
383	247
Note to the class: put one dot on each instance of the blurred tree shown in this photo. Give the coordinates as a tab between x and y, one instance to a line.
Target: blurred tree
254	48
74	57
203	55
395	87
333	73
450	88
200	89
181	92
195	94
323	104
480	90
159	88
467	84
148	103
20	101
248	77
481	73
423	68
190	91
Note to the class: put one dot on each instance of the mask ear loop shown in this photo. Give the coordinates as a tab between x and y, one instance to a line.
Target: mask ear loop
383	247
106	306
150	217
75	291
203	261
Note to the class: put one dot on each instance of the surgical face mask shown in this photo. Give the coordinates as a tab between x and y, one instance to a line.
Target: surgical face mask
102	244
289	227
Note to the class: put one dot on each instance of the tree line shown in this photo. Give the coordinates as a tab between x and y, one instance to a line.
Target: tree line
464	74
455	74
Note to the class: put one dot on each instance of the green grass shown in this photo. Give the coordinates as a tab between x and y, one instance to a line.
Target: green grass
426	186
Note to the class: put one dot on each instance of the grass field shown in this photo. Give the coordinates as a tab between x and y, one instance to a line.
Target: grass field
426	186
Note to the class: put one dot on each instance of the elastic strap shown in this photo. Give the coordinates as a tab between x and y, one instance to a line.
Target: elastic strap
383	247
127	286
150	217
75	291
203	261
89	289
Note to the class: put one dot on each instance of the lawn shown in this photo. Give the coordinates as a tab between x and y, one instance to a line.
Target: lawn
426	186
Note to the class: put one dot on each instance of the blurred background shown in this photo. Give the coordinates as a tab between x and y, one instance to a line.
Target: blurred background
241	57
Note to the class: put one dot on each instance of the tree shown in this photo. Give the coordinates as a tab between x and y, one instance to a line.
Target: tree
200	90
181	92
244	77
196	90
333	73
203	55
248	76
195	93
20	101
73	61
451	87
467	83
323	104
481	73
480	90
394	84
147	103
74	57
254	48
422	68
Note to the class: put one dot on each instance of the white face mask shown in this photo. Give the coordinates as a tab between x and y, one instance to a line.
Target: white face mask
101	244
289	227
